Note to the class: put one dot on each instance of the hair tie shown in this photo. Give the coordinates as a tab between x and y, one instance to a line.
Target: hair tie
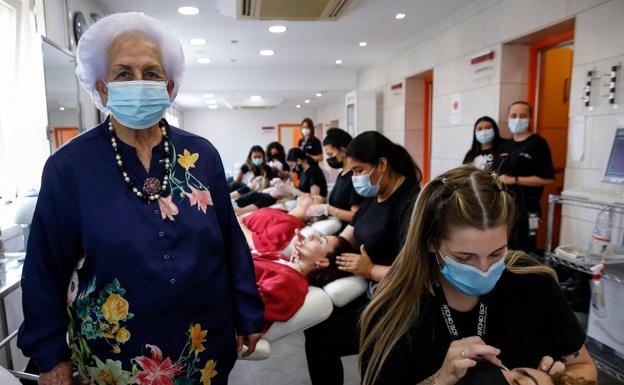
497	183
449	185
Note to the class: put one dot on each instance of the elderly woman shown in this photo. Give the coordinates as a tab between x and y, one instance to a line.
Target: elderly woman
163	288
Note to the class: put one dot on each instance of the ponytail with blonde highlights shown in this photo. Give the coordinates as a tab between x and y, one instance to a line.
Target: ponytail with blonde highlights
461	197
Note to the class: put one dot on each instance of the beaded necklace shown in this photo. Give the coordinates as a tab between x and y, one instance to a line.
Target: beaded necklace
152	189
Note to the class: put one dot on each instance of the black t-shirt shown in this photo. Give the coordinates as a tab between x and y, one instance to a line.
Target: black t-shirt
313	176
527	158
311	147
343	195
381	227
257	171
484	159
528	318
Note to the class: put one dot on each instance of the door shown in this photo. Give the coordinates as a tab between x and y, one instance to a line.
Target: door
289	134
553	103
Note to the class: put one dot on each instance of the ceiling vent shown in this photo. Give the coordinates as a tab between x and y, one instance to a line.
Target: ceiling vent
288	9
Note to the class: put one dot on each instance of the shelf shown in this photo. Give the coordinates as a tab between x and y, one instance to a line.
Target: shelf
612	271
606	359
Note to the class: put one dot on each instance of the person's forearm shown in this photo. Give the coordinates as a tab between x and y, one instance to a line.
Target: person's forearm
378	272
533	181
343	215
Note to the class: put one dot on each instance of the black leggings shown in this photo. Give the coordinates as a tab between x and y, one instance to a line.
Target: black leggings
256	198
332	339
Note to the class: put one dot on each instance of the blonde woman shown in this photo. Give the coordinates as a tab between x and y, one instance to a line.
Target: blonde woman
456	295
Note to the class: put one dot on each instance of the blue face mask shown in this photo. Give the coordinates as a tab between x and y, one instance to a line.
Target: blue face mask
363	186
471	280
257	161
138	104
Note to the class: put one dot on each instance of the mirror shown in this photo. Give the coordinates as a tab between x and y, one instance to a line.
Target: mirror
62	98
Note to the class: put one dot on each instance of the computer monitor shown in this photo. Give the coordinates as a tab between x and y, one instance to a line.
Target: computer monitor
615	167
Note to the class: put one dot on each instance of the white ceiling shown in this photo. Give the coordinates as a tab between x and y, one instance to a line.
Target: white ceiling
306	46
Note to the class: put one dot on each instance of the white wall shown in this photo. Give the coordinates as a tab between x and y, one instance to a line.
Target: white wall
487	25
233	132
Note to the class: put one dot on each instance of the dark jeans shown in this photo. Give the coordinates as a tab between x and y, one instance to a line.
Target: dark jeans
234	186
336	337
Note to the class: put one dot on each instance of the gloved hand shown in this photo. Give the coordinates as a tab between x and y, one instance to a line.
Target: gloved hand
317	210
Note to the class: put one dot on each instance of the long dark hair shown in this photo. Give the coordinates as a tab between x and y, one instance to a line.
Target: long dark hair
370	146
331	273
262	170
476	146
281	154
310	124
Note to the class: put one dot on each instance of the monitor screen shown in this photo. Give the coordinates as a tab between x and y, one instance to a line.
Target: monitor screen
615	168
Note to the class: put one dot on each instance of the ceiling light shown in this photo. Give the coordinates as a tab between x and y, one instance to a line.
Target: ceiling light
363	44
198	41
208	95
203	60
62	108
277	29
298	106
213	106
338	61
188	11
399	16
234	41
318	94
267	52
255	98
232	60
211	102
307	101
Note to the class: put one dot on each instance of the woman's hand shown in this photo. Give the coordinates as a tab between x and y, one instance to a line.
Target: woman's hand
359	264
506	179
61	374
550	366
250	341
463	355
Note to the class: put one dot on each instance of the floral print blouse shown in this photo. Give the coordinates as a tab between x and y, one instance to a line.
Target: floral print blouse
150	293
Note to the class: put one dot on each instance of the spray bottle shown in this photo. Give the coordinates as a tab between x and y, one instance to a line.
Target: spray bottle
597	291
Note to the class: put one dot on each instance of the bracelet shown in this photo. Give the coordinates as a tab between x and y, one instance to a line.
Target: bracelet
516	180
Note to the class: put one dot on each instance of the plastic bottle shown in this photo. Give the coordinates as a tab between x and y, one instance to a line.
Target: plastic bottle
597	292
601	236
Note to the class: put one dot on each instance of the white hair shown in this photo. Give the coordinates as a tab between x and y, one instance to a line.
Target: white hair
93	49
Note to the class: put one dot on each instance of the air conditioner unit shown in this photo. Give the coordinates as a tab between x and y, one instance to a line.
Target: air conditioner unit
286	9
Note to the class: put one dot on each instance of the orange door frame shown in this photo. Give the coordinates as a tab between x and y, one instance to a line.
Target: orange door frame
534	51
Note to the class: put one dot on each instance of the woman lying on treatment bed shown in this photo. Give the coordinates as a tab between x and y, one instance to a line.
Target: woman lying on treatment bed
269	229
283	282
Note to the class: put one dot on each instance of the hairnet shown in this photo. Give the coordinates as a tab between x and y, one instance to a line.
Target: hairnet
94	44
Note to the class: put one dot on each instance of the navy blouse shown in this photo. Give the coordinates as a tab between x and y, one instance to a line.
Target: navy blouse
156	290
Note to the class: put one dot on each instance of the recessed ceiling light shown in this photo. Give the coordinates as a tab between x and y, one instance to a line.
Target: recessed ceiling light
232	60
338	61
267	52
278	29
307	101
255	98
399	16
298	106
203	60
198	41
211	102
188	11
318	94
363	44
213	106
62	108
208	95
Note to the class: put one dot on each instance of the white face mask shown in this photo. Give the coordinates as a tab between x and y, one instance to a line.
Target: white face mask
305	131
518	126
485	136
